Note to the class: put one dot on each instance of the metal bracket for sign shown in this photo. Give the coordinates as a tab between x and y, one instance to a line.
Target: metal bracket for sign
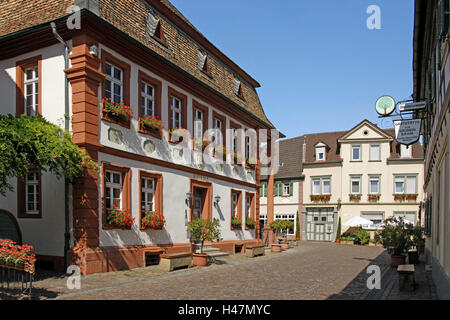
400	114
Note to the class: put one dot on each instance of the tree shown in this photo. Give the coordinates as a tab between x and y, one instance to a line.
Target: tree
202	230
338	233
27	142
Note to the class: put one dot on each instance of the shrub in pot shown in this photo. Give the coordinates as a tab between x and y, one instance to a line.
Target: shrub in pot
363	236
281	226
201	231
396	238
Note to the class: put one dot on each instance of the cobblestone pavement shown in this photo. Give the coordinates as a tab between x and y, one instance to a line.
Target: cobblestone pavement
308	271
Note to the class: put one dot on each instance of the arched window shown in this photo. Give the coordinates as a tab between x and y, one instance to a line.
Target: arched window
9	229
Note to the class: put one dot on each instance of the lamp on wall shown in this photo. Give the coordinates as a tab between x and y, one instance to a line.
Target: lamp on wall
216	201
188	199
339	201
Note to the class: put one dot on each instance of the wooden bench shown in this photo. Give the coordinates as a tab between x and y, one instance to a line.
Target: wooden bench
171	261
255	250
406	277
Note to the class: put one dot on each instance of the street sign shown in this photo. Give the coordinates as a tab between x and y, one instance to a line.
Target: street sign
412	106
385	105
407	132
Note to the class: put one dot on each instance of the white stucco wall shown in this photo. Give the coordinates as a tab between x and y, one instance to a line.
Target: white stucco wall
46	234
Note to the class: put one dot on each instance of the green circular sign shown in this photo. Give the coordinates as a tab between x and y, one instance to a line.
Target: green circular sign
385	105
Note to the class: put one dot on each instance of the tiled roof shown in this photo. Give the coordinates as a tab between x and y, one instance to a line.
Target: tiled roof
290	155
130	17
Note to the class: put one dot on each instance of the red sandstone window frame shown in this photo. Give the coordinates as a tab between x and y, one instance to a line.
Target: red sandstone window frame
157	87
126	70
126	190
157	200
238	207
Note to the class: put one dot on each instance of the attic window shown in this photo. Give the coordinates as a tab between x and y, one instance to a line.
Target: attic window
237	87
203	63
154	29
320	154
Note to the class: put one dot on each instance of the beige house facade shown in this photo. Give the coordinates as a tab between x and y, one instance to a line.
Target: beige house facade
362	172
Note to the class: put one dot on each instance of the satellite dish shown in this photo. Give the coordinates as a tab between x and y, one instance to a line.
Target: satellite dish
385	105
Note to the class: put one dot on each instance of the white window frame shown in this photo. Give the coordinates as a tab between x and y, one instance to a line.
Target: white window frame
111	185
286	189
147	98
289	217
320	151
374	226
353	179
176	110
34	183
32	109
234	204
378	154
405	151
356	146
248	206
404	213
322	184
218	125
248	147
146	191
198	123
404	179
374	178
113	80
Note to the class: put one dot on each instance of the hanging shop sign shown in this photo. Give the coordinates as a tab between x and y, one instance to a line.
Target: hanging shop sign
385	105
407	132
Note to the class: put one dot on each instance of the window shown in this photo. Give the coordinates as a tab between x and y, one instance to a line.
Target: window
219	125
113	190
154	29
263	189
248	147
263	219
28	83
288	217
31	84
405	184
321	186
32	192
320	153
198	123
147	99
376	217
116	190
374	185
147	194
356	153
405	151
249	205
286	189
236	206
235	138
114	83
355	185
177	109
410	216
375	152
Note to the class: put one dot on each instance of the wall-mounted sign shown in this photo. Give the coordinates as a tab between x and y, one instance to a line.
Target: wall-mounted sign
385	105
407	132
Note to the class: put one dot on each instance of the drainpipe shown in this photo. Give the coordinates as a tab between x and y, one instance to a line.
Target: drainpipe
66	127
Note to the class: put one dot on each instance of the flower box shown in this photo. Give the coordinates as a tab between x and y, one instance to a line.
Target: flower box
120	219
251	163
399	197
176	135
412	197
116	113
153	221
236	223
13	256
250	223
201	143
355	197
220	151
321	198
373	197
151	125
237	157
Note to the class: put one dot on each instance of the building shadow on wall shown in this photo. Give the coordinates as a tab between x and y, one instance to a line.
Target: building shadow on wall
357	288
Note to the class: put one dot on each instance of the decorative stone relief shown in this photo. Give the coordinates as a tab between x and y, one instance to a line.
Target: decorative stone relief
115	136
149	146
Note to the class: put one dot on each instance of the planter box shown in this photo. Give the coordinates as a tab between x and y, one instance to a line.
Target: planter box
253	251
397	260
348	242
413	257
200	259
276	248
169	262
284	246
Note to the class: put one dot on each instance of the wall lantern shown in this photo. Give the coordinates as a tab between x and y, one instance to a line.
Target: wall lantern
216	201
188	199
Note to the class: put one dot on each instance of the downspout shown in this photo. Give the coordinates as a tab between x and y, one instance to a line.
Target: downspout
66	127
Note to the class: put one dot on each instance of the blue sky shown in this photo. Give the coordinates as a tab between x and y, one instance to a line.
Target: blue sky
320	67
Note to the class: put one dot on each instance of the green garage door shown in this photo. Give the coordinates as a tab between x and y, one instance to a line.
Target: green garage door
8	229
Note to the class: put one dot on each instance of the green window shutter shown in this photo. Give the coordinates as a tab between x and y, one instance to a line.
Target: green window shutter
291	188
265	189
277	189
275	192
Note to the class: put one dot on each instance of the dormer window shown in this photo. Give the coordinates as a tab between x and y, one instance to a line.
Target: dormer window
237	87
405	151
320	152
203	64
154	29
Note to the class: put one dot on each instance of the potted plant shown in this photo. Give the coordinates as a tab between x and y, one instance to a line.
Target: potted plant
411	196
237	156
417	240
236	223
250	223
363	236
297	232
151	123
153	220
339	231
373	197
396	239
399	197
347	240
355	197
120	218
118	111
280	228
251	162
201	231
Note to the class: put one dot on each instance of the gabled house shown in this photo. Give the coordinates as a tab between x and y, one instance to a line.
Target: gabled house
147	59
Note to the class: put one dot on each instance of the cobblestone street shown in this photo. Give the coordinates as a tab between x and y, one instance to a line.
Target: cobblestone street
308	271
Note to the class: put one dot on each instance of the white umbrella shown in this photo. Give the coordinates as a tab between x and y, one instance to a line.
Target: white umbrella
357	221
